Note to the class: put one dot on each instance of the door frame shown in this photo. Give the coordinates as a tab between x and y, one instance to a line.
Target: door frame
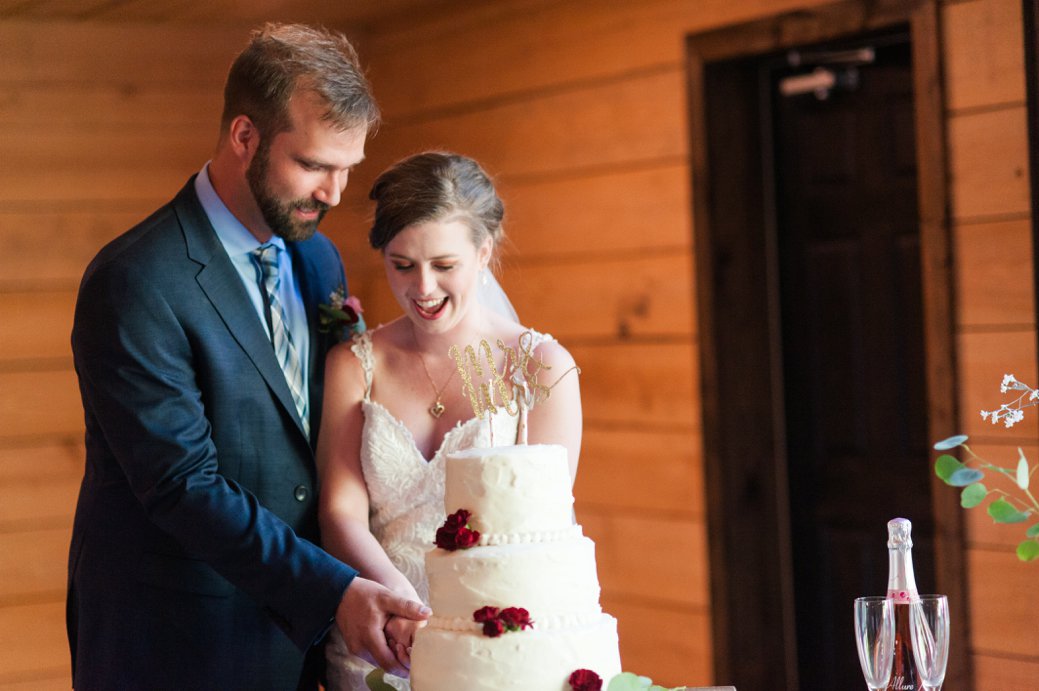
744	449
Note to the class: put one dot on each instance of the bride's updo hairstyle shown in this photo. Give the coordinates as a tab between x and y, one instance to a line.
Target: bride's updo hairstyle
435	186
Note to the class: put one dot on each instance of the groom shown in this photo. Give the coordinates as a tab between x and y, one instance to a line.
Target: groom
193	562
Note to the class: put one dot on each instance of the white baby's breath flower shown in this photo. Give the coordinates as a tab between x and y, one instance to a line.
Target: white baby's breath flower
1013	416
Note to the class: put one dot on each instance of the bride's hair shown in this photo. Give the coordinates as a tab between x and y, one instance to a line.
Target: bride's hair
435	186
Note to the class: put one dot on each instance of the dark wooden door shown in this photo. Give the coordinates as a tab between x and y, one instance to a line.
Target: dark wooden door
852	349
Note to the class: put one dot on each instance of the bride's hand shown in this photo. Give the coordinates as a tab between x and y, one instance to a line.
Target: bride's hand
400	634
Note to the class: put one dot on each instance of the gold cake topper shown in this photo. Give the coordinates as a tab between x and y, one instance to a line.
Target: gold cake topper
514	388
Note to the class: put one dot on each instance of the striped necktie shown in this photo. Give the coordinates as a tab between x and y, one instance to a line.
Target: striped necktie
265	259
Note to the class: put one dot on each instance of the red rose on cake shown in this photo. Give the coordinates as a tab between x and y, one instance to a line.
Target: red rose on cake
585	680
516	618
485	614
455	533
497	621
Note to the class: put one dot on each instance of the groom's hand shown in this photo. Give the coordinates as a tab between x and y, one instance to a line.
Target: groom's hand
362	615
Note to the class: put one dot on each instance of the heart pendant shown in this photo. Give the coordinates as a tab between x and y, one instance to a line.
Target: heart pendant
437	409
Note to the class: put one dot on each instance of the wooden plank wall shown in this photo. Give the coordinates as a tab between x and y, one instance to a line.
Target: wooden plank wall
579	108
98	126
995	310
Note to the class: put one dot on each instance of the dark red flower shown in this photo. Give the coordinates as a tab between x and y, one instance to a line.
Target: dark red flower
458	519
585	680
485	614
516	619
493	628
455	534
466	538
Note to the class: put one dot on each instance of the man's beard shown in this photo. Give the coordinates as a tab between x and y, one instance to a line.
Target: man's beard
277	212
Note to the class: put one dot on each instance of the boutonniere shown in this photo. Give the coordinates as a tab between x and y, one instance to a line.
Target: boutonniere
340	313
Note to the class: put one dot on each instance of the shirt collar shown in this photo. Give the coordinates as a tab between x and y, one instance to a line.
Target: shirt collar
234	236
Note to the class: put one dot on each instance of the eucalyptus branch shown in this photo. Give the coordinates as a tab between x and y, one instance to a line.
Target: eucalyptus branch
1005	507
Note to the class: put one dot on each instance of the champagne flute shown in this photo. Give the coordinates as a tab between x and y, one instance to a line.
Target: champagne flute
875	639
929	629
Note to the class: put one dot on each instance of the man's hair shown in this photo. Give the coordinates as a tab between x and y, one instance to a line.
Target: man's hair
285	59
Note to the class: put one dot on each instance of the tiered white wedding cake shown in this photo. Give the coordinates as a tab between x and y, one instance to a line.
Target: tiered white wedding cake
512	583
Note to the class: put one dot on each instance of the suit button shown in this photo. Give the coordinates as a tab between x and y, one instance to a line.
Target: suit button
301	493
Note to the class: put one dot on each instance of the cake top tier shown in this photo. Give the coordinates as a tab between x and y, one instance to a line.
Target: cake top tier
511	489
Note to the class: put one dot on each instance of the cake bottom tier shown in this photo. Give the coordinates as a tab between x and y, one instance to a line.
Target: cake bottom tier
531	660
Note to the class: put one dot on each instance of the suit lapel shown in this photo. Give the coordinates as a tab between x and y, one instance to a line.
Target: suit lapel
222	285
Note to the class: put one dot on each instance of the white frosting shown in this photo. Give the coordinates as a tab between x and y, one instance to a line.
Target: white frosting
530	555
511	489
546	579
532	660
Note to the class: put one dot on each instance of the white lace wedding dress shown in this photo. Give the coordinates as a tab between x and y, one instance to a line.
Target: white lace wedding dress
406	497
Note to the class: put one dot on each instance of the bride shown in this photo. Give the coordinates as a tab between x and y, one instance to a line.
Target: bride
394	405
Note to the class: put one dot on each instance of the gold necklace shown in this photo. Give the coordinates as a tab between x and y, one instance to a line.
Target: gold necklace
438	408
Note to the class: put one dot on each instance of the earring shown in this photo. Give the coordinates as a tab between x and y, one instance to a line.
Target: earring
483	276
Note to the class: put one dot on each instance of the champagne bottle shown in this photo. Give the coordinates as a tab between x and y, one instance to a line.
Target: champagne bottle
901	590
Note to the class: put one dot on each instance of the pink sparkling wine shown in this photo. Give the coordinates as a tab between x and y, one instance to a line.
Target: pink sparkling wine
901	589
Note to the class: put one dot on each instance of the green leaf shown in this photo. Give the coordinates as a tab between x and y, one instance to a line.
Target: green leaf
972	495
376	681
1028	550
950	443
1003	511
626	681
965	476
1022	470
946	465
1033	531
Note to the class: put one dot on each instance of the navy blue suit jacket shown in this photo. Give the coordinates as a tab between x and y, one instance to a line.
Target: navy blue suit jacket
193	562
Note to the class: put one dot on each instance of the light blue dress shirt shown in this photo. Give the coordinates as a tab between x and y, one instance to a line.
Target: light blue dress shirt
239	244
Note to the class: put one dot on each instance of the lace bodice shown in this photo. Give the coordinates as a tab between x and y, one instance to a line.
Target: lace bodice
406	490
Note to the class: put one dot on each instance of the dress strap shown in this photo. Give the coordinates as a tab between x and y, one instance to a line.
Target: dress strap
362	348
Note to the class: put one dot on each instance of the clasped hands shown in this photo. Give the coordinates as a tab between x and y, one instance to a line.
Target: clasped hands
378	625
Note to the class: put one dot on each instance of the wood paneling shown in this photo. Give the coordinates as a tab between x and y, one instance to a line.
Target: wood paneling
985	357
36	325
606	298
638	470
49	247
1004	612
988	163
649	558
52	680
670	645
626	210
38	486
33	642
1005	673
993	262
33	152
984	56
639	385
616	123
40	571
41	463
35	403
197	12
84	184
92	53
110	107
533	49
